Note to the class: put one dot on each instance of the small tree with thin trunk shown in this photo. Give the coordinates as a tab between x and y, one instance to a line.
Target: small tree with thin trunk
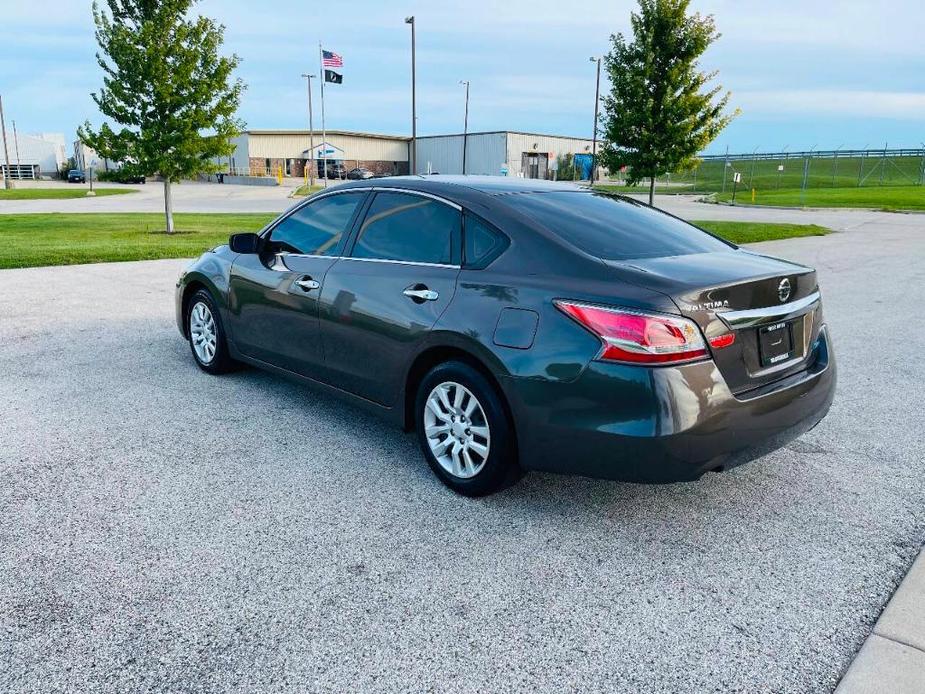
658	114
167	87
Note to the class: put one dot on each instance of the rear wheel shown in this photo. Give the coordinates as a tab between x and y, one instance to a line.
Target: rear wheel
206	334
464	430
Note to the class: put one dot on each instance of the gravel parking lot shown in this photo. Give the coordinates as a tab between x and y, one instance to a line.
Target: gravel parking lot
161	529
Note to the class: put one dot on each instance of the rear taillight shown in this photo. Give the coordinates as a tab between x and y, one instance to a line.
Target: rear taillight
639	338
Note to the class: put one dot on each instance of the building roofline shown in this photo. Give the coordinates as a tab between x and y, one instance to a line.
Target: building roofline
505	132
404	138
306	131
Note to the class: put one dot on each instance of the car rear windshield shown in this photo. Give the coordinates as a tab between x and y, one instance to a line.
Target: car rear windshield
614	228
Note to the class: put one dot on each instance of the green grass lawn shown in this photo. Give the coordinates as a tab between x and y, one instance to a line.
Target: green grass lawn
752	232
828	172
886	197
58	193
660	189
306	189
32	240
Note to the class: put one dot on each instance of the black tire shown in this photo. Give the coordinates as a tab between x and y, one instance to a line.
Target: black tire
500	468
221	361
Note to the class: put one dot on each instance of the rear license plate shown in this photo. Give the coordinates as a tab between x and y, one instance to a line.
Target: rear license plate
775	343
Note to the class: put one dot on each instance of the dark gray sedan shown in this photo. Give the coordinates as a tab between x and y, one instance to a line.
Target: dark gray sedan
523	325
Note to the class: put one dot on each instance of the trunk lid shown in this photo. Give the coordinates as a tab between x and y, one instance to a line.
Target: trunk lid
769	304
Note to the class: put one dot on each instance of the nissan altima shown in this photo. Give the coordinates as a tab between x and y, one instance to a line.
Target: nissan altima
523	325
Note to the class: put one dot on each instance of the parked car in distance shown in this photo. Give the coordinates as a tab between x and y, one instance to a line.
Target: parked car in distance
76	176
360	174
523	325
334	169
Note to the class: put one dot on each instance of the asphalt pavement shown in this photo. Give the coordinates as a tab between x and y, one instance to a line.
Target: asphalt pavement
165	530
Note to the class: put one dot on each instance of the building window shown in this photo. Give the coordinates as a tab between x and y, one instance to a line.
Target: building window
267	164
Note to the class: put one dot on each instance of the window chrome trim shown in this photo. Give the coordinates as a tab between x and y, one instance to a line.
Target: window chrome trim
362	189
752	317
408	191
400	262
374	260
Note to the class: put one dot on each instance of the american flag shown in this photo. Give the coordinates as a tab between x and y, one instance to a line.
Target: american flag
331	59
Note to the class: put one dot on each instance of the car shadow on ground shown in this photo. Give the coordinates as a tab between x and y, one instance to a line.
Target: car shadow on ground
350	427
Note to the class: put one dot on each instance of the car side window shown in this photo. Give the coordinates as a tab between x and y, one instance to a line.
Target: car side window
318	228
482	242
411	228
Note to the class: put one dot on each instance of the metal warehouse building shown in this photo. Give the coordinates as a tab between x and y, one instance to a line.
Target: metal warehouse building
34	156
263	152
499	153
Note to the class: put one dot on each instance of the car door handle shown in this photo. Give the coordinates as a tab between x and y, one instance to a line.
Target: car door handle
421	294
307	283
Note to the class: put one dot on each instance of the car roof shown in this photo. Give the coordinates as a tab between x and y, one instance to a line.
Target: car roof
490	185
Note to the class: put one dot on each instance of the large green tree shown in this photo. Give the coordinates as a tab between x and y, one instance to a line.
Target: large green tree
170	93
660	112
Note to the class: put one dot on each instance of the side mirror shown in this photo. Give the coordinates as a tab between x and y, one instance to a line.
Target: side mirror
244	243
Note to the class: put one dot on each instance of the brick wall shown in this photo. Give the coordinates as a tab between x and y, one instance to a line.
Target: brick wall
258	166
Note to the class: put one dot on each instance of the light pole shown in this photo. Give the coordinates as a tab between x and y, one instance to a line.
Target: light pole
414	117
311	133
16	143
465	124
597	98
7	183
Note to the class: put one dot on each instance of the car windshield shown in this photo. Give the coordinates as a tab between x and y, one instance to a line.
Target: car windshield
612	227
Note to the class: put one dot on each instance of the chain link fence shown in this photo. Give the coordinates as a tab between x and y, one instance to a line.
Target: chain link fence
763	172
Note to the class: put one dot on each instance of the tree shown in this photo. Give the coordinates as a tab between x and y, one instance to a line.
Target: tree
167	86
656	117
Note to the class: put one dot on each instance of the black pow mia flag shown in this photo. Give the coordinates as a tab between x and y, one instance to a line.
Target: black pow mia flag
334	77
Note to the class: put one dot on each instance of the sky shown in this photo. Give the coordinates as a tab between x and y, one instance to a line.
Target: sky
812	73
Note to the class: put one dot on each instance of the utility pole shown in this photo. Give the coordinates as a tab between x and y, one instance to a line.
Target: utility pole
597	99
16	145
312	165
465	125
7	183
414	116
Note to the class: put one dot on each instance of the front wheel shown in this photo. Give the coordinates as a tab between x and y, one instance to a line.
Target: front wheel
464	430
206	334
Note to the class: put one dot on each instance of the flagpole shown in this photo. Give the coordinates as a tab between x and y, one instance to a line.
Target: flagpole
324	135
313	168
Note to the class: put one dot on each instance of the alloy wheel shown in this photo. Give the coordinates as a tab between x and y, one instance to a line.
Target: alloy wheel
456	429
202	331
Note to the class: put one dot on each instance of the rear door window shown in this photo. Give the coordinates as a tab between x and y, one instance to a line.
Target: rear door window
614	228
410	228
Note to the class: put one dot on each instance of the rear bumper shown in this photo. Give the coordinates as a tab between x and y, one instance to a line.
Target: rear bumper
663	424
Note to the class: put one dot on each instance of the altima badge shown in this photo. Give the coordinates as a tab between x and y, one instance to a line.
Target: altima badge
783	290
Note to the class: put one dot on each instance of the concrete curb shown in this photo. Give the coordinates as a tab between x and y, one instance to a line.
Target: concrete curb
893	657
749	206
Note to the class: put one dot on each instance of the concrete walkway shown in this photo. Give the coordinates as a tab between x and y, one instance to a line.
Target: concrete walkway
893	657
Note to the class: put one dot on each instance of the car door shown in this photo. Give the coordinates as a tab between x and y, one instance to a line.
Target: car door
273	296
384	296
